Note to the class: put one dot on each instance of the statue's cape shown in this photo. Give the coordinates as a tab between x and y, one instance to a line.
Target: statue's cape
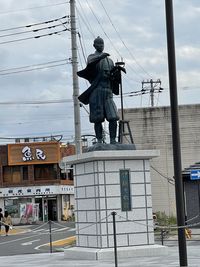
89	73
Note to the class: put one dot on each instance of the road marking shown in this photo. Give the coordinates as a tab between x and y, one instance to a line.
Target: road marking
61	242
30	242
72	229
52	230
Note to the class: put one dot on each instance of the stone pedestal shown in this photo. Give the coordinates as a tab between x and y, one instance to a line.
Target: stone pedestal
98	192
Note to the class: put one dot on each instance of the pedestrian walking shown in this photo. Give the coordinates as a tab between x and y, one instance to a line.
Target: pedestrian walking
7	221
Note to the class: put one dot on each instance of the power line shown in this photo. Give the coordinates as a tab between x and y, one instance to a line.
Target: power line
36	7
87	24
40	68
33	69
38	102
34	37
152	88
109	38
170	180
34	24
131	54
34	30
82	47
43	120
34	65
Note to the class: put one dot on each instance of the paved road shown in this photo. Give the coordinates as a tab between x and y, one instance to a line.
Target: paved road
35	238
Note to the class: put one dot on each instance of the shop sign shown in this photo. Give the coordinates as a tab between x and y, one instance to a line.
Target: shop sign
33	153
195	174
28	154
37	191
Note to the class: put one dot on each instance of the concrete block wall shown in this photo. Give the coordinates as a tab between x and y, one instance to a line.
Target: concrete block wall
97	194
151	129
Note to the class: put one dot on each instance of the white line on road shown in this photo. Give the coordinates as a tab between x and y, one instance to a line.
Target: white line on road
30	242
53	230
71	230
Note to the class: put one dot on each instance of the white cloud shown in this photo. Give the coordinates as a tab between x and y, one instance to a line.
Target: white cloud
189	52
140	41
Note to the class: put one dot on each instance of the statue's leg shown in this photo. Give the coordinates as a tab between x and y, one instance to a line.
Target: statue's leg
113	131
98	131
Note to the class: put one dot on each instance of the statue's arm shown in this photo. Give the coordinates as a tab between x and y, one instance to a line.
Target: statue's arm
93	59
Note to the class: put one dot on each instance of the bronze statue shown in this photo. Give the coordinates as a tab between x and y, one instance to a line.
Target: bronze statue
104	78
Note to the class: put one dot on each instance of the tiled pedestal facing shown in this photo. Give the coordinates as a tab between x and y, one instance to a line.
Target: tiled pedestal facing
97	194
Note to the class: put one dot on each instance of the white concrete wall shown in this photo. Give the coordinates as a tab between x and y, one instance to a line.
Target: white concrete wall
97	194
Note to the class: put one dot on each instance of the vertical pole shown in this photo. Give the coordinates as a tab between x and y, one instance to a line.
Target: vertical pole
114	236
77	124
122	130
50	237
122	105
152	93
162	236
175	133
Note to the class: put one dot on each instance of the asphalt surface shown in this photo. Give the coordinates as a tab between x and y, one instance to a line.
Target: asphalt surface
59	259
29	239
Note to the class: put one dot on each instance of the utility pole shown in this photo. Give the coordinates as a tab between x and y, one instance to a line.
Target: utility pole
77	123
175	134
152	88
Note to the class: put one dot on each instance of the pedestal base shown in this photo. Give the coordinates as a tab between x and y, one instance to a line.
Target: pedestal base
108	253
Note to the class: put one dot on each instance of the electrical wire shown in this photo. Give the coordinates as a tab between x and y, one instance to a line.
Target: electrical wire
34	24
34	30
130	53
38	102
34	37
169	179
87	24
33	69
98	21
117	51
58	119
81	45
34	65
36	7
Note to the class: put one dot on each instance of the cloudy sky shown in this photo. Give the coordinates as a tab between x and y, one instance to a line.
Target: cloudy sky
35	70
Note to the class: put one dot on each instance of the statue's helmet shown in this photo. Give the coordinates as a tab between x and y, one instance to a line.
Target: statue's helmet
98	40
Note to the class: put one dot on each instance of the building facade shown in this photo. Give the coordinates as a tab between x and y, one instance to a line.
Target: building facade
151	129
32	186
191	185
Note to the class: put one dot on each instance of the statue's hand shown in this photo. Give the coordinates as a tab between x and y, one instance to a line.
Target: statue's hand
106	54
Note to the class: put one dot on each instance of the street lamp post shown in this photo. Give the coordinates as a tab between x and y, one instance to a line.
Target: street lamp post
175	134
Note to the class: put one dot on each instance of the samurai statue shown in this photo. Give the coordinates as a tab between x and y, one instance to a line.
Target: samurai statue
105	79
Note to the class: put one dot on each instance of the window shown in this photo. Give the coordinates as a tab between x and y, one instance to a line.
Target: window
45	172
12	174
24	173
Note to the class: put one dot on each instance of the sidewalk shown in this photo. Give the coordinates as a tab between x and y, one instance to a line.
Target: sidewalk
58	260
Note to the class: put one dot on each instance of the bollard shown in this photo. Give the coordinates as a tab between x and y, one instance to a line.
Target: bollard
114	236
162	236
50	237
